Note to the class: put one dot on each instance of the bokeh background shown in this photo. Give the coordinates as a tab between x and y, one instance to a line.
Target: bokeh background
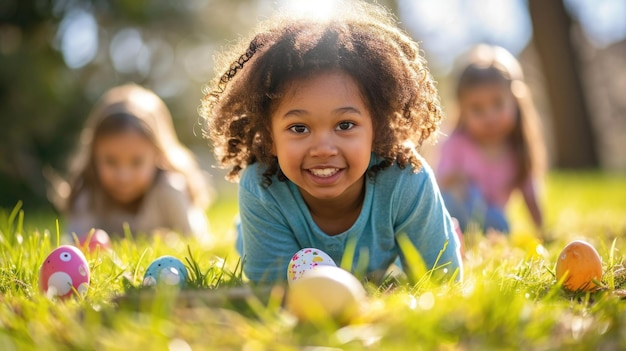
58	56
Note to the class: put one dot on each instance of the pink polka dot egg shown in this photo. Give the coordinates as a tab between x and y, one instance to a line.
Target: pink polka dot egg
64	271
306	260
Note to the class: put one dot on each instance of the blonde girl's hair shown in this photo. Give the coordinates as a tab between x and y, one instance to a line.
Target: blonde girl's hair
137	108
487	64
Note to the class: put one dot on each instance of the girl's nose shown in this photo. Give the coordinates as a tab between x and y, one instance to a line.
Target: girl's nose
124	175
323	146
494	114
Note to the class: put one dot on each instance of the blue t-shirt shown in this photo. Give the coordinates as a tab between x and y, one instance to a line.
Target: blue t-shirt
276	223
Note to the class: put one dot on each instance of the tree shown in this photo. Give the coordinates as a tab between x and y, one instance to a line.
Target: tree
44	101
573	133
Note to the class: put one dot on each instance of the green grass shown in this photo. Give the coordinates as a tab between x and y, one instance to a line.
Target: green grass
509	300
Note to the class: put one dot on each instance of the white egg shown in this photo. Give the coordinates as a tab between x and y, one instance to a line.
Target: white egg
305	260
326	293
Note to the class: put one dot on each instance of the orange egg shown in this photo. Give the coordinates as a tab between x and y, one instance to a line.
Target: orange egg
582	264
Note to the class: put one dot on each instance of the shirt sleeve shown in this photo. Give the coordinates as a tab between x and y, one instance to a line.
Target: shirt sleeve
79	219
268	241
423	218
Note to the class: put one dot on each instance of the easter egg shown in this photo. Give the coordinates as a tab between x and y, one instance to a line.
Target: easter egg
580	263
166	270
306	260
65	268
98	240
325	293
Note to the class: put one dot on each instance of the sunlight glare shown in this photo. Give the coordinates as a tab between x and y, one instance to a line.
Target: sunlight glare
315	9
447	28
602	20
77	38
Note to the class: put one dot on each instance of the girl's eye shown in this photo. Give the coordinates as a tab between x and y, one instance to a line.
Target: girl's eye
110	161
345	126
476	110
137	162
498	103
299	129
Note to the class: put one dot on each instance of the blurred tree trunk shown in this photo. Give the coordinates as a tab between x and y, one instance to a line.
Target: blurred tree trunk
574	139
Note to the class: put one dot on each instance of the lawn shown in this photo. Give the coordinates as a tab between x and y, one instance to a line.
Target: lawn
509	300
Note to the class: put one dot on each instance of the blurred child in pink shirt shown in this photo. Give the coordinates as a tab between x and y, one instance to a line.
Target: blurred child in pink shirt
496	146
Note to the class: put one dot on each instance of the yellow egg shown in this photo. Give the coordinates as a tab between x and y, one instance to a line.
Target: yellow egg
326	293
582	264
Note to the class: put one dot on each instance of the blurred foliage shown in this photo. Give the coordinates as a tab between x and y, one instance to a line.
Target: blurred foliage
164	45
49	78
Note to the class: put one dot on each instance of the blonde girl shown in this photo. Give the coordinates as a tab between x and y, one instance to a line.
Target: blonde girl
132	170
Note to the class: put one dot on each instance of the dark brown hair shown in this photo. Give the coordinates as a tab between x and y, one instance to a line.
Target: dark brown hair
495	65
359	39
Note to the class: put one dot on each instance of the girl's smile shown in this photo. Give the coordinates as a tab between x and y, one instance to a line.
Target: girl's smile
322	135
325	175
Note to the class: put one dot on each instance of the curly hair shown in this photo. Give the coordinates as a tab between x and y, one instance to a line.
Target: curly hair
359	39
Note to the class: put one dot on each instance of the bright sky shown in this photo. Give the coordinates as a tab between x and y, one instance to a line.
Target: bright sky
448	28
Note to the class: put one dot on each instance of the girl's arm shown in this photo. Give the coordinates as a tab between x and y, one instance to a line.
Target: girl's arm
424	219
450	175
268	242
79	219
530	197
176	206
456	184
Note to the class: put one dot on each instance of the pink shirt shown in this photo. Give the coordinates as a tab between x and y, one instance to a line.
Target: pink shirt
493	177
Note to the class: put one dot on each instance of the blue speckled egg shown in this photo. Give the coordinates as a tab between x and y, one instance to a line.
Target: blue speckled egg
166	270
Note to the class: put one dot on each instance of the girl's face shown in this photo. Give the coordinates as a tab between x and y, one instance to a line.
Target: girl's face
126	164
488	112
322	135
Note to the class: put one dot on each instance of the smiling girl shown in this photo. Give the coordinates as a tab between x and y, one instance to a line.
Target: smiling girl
319	119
